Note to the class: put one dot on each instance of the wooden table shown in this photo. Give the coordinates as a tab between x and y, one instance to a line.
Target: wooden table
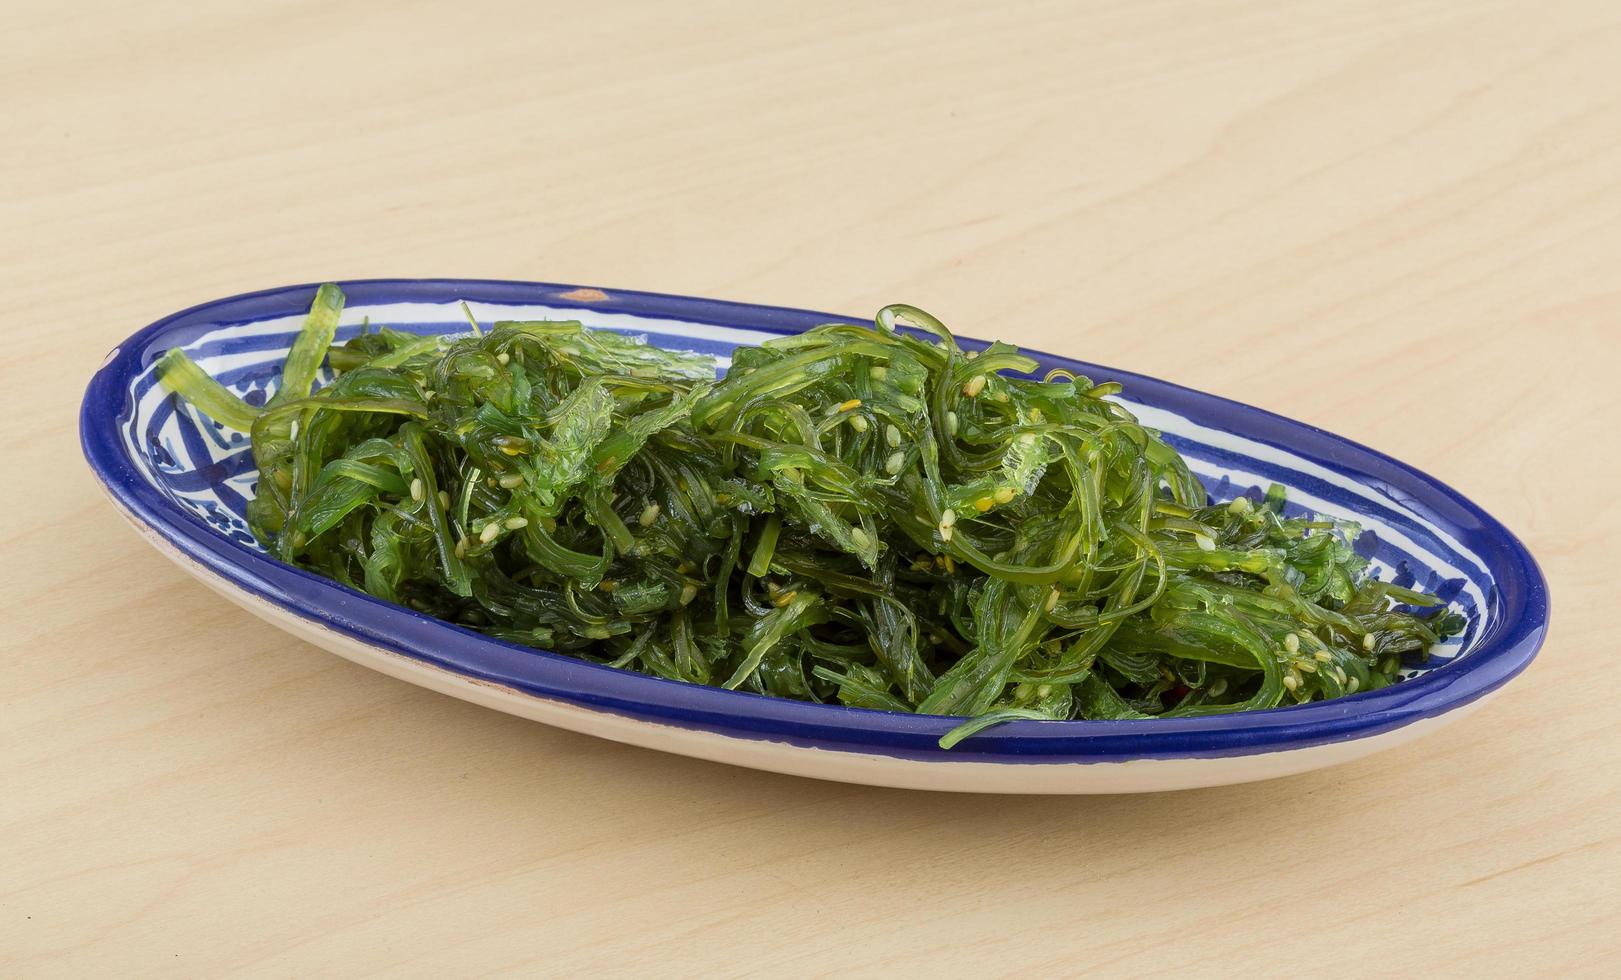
1401	221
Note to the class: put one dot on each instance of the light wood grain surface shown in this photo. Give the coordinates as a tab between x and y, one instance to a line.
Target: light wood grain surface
1400	221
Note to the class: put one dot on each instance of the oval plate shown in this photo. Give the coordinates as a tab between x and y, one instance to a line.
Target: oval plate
183	481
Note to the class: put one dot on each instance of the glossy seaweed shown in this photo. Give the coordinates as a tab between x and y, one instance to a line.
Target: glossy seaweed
856	515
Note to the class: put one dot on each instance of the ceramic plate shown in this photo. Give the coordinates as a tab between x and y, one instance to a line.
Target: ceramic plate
183	481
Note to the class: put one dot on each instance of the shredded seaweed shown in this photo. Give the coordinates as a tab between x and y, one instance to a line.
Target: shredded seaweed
858	514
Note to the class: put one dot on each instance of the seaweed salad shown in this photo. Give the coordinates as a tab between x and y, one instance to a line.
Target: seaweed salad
858	515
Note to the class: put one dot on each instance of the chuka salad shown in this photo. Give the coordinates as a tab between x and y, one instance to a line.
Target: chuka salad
852	515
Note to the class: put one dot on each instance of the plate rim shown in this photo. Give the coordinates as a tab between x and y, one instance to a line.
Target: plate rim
1500	655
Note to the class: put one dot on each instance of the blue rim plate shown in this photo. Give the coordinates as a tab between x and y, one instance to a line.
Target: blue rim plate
185	480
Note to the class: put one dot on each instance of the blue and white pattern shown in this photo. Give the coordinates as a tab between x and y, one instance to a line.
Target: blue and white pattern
190	479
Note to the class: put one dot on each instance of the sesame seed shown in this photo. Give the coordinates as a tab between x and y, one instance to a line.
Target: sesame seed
945	533
1292	682
1219	687
951	565
951	423
948	517
444	500
1351	685
461	547
1005	494
1339	674
858	423
878	372
515	523
893	464
859	538
416	488
1044	690
491	531
975	385
849	405
984	504
1240	505
1291	642
1052	600
1368	641
511	481
1307	666
973	354
689	592
607	585
892	436
1001	396
1206	544
503	358
1323	656
649	514
784	598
